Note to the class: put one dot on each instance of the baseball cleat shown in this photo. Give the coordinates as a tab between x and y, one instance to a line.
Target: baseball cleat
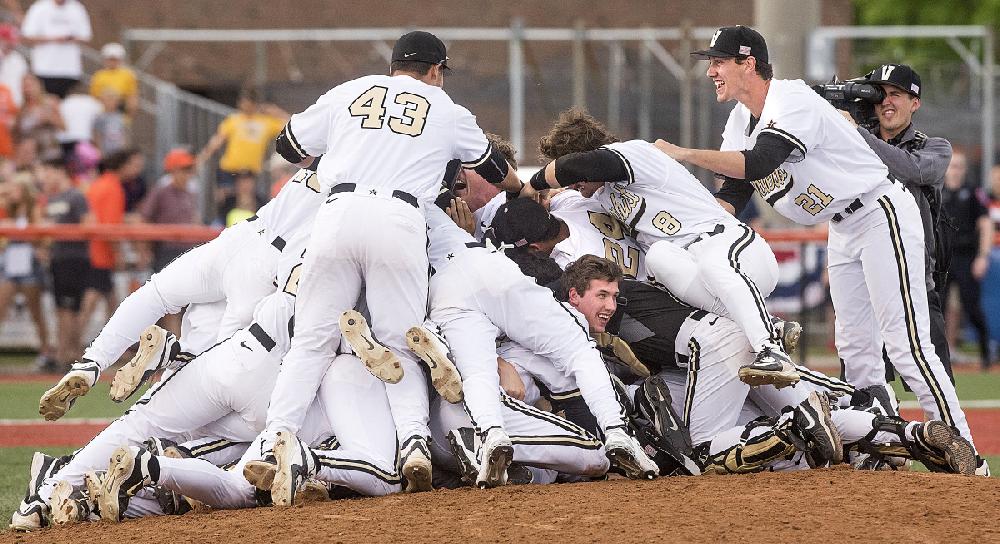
68	505
496	454
463	447
627	455
982	467
771	367
433	351
93	482
156	346
260	472
518	474
789	333
379	360
130	469
416	466
295	464
312	491
31	515
811	423
942	441
76	383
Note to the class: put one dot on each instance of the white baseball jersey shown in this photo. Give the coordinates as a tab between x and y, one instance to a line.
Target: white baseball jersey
392	112
290	214
594	232
445	239
830	165
660	199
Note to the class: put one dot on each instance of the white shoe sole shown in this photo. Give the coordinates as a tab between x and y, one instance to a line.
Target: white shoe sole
130	376
64	509
121	466
93	483
283	487
379	360
493	472
755	377
623	459
56	401
418	473
444	376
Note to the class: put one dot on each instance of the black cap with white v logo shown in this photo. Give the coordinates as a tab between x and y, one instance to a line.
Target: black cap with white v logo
897	75
420	46
735	41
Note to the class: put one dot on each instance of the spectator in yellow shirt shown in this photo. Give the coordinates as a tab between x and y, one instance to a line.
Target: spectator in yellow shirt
117	78
247	135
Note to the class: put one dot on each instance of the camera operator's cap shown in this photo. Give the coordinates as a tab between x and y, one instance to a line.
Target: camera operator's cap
523	221
897	75
735	41
422	47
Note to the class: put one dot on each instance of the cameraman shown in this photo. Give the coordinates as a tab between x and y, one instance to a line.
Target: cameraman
919	162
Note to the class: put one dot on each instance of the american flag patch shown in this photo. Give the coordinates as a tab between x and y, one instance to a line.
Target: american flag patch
744	49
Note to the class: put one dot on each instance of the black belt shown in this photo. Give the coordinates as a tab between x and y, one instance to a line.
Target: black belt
351	187
279	243
265	339
853	207
475	244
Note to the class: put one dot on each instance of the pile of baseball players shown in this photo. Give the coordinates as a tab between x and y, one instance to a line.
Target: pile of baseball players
407	314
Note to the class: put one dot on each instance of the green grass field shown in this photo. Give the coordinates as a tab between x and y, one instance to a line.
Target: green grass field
20	401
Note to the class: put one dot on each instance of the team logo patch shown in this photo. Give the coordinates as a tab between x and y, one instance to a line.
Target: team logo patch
715	37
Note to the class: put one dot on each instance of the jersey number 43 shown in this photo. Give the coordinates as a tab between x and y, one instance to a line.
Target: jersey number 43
370	106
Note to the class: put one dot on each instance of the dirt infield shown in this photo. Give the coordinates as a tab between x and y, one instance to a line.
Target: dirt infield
813	506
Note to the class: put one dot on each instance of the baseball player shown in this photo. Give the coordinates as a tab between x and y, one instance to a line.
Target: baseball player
221	282
388	140
477	294
694	248
809	163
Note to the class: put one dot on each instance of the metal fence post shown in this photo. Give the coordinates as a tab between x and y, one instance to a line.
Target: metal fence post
580	65
989	116
645	89
615	70
516	69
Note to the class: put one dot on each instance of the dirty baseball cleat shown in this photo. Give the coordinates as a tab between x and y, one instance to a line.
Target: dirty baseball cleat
156	347
69	505
380	361
627	456
296	463
771	367
33	513
130	469
496	454
941	441
789	332
76	383
416	465
434	352
811	424
463	447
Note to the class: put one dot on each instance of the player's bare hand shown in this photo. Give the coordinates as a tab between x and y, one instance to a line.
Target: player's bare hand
979	266
675	152
527	191
847	116
510	380
462	215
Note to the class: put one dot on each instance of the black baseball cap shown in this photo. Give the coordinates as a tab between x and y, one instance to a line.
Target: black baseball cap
735	41
897	75
422	47
523	221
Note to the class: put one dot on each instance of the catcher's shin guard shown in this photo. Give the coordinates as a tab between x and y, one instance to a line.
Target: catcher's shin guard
755	450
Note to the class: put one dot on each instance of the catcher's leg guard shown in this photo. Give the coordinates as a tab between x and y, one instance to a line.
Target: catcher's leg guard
760	443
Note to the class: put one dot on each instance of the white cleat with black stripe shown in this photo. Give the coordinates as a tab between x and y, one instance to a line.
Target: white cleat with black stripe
495	455
157	346
296	464
378	359
131	469
416	465
627	456
772	366
76	383
434	352
818	437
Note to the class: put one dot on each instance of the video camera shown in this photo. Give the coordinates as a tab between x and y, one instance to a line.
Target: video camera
856	96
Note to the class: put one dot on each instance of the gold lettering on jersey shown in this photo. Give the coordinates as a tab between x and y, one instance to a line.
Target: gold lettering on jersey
308	178
607	225
623	202
773	183
617	253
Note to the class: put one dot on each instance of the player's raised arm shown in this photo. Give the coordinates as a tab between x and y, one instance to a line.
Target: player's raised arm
751	164
600	165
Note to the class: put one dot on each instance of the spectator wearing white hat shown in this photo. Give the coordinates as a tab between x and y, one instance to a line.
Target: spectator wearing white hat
116	78
55	29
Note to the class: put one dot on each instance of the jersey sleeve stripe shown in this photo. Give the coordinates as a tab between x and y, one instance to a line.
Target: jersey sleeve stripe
482	158
295	143
628	166
787	136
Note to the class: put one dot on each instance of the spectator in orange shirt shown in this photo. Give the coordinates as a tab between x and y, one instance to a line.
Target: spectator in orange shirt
8	116
106	200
